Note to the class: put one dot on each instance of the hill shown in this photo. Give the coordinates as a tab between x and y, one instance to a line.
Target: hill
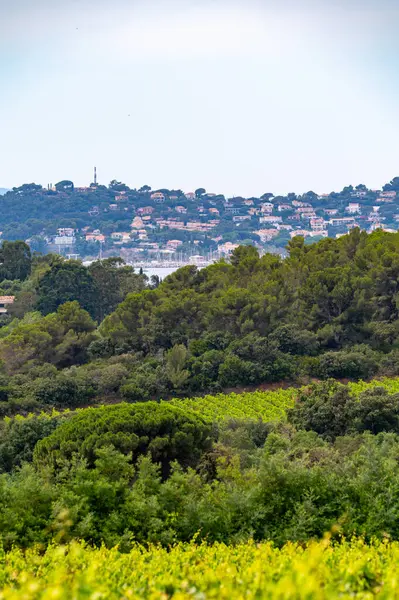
146	224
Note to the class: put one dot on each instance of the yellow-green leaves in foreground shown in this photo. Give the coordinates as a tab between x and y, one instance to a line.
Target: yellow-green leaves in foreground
246	571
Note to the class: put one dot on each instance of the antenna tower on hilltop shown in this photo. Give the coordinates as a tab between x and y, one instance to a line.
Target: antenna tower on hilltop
95	175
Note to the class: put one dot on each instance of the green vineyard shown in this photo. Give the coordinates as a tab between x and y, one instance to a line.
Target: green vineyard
265	405
390	384
317	571
268	406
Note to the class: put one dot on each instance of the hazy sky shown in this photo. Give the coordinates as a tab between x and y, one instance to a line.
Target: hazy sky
237	97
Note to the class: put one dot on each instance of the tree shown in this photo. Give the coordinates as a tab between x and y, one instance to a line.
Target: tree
15	260
200	192
27	188
118	186
376	411
60	338
37	243
176	360
323	408
19	437
164	431
310	196
331	410
113	280
145	188
155	281
393	185
65	282
64	186
245	255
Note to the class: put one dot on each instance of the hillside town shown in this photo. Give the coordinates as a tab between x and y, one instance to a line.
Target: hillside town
171	225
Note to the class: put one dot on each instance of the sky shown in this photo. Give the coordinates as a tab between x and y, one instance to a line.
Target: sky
240	98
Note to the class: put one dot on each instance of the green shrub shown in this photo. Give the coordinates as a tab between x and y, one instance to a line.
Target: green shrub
166	432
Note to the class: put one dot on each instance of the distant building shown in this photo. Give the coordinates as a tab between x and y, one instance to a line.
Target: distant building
267	208
304	210
266	235
5	303
227	248
391	194
271	219
240	218
64	240
353	208
137	223
121	237
145	210
232	210
342	221
317	224
299	204
302	232
174	244
95	237
158	197
66	231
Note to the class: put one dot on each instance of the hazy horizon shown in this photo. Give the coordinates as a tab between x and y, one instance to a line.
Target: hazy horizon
239	98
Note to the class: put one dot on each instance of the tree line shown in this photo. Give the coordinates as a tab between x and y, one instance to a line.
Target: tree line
329	309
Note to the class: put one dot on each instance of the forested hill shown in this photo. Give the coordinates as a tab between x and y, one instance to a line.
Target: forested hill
328	310
147	223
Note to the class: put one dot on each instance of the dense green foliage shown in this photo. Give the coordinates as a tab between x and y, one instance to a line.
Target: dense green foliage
19	436
283	465
332	411
149	472
163	431
321	571
328	310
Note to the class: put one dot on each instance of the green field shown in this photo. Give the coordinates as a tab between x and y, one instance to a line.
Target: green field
265	405
268	406
317	571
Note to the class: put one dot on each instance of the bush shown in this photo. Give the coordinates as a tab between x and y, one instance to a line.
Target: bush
235	372
354	365
330	410
166	432
147	381
61	391
19	436
293	340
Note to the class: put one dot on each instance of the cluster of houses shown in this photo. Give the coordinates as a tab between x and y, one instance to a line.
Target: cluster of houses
163	222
